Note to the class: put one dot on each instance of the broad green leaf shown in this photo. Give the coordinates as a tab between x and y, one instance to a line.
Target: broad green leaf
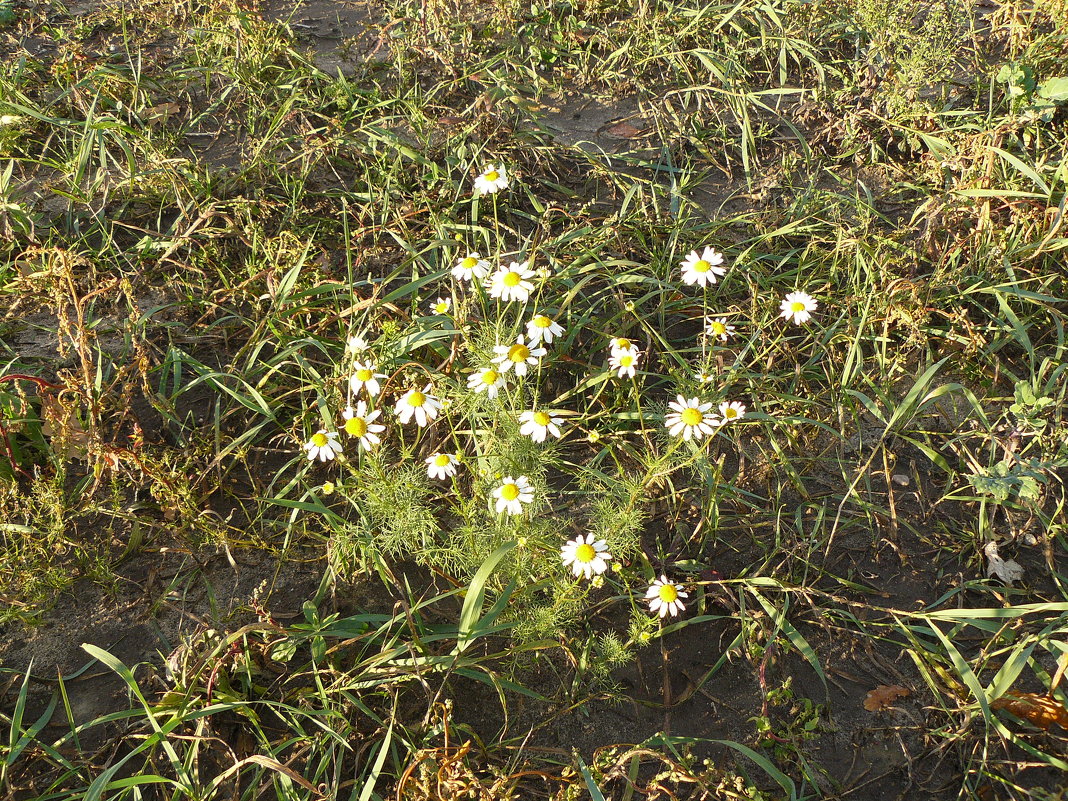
1055	89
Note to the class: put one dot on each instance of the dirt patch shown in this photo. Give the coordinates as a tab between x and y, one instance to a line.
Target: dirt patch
159	600
339	35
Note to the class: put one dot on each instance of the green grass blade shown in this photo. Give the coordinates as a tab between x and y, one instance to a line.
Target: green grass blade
476	592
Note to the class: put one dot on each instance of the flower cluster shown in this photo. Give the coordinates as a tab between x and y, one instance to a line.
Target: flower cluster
513	285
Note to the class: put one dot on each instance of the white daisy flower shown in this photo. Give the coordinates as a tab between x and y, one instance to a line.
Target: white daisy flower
420	403
360	424
356	344
702	269
691	418
798	306
441	306
470	268
323	445
512	494
512	282
622	345
492	180
441	465
624	362
537	424
543	329
364	375
585	556
486	380
519	356
731	411
704	377
718	328
663	597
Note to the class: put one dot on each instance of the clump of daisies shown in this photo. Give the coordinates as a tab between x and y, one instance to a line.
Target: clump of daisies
487	460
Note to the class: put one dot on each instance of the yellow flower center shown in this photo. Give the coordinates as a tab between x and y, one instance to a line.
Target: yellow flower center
797	306
585	553
363	375
512	278
718	328
730	412
626	361
668	593
510	492
518	353
442	460
542	419
541	321
319	440
441	308
356	426
492	175
623	344
701	266
416	399
489	377
469	263
691	416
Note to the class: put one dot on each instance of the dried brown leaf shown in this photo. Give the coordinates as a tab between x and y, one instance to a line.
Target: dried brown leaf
1040	710
883	696
623	130
158	115
1008	570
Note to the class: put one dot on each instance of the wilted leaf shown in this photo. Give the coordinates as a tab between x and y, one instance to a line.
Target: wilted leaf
62	426
883	696
1040	710
1008	570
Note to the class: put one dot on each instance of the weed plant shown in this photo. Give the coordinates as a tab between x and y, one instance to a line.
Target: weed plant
596	353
